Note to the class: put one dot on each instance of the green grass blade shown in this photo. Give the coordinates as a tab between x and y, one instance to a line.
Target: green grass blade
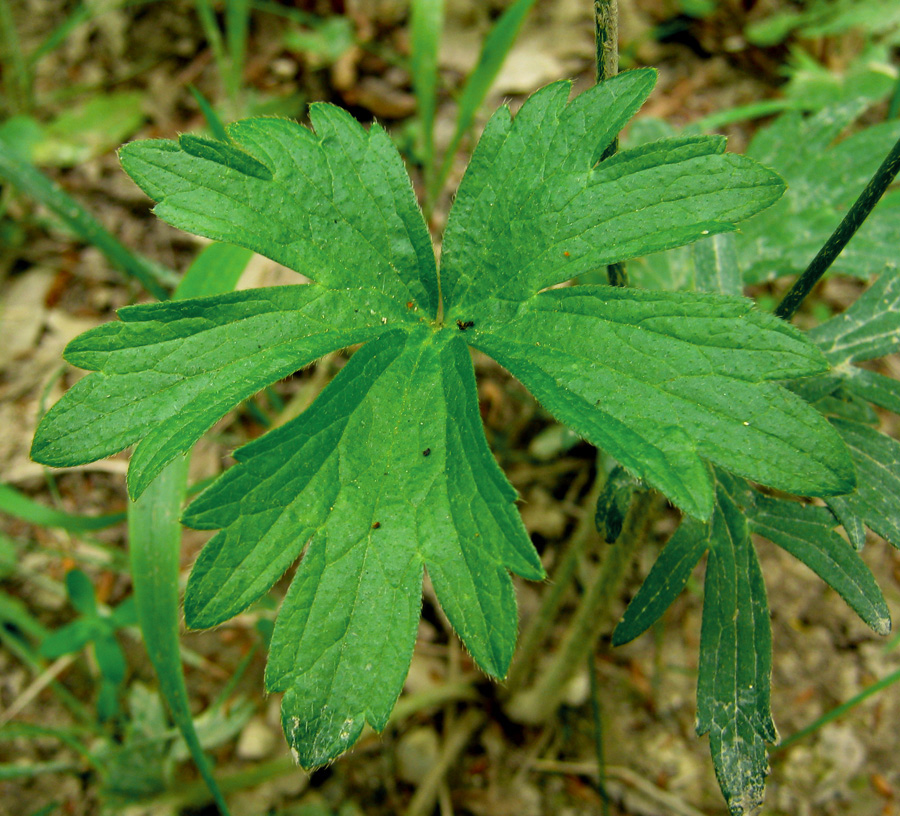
80	14
237	21
840	710
16	76
154	535
215	124
35	184
19	506
213	34
10	771
427	26
493	53
755	110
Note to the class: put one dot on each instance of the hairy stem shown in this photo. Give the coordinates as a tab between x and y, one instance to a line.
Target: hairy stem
833	247
606	27
560	580
425	797
537	703
606	30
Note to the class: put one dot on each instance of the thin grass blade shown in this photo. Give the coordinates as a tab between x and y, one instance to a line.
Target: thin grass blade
237	25
154	278
495	50
215	124
19	506
154	536
426	30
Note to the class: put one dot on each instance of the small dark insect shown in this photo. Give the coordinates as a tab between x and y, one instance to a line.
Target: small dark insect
426	452
463	326
376	525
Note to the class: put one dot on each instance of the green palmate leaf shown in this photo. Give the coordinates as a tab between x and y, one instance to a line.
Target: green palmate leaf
807	533
735	658
386	473
613	503
716	266
868	329
873	387
666	382
735	648
665	580
823	182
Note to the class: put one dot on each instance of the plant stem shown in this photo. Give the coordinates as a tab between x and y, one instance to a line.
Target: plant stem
560	580
833	247
538	703
606	30
597	716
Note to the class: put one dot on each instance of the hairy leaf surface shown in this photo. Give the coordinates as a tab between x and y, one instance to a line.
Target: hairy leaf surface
513	231
666	382
735	659
167	372
388	472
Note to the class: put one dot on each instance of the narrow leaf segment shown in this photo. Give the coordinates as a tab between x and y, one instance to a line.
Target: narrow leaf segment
736	643
735	660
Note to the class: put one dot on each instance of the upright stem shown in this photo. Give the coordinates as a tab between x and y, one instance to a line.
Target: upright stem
560	580
853	220
606	26
606	29
538	703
